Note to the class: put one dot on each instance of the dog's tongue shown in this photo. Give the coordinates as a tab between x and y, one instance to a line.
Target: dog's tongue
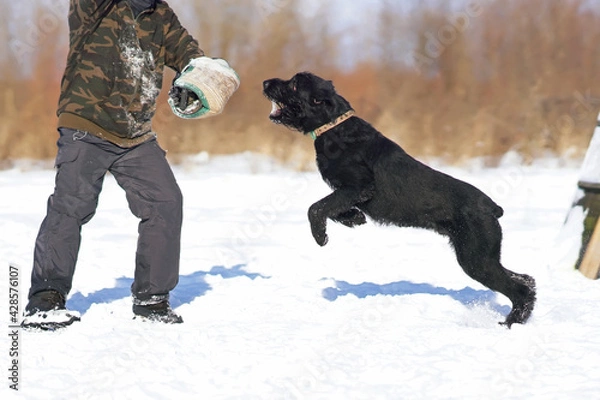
275	110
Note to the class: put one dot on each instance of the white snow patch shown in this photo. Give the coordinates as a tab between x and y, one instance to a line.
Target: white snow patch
378	313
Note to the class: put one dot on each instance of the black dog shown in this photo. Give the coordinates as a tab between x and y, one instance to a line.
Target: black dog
371	175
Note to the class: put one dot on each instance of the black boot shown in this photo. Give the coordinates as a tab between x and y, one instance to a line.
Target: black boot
46	311
156	309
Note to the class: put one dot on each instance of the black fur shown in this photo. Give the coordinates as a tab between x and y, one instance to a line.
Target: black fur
371	175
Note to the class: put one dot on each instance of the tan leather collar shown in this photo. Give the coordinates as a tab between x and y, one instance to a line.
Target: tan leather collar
314	134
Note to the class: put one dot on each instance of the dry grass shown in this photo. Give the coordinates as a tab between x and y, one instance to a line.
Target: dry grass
509	75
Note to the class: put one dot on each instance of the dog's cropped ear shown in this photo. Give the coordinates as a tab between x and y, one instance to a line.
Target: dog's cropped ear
328	87
324	93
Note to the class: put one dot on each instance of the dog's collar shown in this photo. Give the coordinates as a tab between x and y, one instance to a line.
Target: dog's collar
315	134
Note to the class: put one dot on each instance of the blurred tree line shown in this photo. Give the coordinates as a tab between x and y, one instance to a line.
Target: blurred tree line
453	80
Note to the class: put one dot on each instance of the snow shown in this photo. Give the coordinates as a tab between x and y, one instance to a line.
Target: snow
378	313
590	175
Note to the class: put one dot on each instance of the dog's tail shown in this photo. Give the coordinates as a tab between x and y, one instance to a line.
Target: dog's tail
497	211
488	206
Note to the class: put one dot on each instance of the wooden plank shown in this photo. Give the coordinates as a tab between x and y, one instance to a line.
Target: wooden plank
590	264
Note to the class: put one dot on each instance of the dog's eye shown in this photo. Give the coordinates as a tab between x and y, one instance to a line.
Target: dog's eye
294	86
317	101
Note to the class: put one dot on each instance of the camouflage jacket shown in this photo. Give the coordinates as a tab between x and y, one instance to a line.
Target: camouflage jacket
115	67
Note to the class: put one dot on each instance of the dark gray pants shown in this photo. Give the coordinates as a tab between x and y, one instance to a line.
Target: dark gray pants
153	196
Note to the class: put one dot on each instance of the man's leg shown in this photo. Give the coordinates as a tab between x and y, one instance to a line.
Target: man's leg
81	168
155	198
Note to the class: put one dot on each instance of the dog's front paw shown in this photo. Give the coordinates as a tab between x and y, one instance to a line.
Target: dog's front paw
321	238
319	232
318	225
351	218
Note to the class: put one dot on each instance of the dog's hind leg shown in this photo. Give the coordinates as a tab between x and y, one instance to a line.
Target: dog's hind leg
477	242
521	310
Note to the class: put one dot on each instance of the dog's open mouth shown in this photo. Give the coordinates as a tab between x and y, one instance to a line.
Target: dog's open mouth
275	109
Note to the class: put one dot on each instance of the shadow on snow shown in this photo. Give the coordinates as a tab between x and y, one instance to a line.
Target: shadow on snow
466	296
190	287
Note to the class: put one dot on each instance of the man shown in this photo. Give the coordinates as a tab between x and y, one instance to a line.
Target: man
118	51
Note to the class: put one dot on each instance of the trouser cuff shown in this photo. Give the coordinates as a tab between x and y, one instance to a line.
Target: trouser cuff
153	299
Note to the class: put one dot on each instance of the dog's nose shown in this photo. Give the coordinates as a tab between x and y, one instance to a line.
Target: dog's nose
266	84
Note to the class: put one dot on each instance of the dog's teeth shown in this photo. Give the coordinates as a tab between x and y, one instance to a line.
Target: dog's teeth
275	109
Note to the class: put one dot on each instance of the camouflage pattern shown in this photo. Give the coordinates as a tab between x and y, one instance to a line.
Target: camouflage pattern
115	67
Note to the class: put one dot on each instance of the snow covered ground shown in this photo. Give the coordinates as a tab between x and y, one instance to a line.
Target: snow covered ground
378	313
